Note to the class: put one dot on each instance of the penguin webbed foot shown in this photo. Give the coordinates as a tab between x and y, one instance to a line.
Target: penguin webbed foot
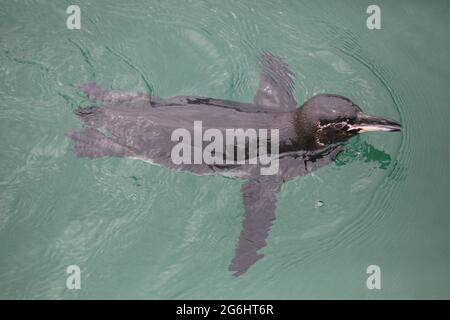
92	143
97	93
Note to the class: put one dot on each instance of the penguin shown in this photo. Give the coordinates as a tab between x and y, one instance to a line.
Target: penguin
139	126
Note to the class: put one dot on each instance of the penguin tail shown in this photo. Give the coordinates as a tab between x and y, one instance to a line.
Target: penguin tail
92	116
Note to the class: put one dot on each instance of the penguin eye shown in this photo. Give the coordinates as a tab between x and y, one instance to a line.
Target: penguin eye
340	125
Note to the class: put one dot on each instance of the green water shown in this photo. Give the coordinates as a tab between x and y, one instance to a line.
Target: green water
139	231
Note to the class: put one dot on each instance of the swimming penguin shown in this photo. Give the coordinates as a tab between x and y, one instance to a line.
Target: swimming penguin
140	127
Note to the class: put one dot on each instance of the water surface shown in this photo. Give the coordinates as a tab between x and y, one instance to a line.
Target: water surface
139	231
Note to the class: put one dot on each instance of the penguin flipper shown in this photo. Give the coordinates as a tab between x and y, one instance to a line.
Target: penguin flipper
276	83
97	93
259	198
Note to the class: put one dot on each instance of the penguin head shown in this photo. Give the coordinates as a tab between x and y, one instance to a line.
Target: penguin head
327	119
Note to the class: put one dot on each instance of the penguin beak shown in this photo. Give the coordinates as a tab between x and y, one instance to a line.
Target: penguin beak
367	123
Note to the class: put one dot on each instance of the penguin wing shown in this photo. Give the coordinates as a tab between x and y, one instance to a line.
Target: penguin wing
259	197
276	83
95	92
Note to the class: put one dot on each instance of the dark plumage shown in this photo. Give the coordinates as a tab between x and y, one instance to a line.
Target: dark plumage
140	127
